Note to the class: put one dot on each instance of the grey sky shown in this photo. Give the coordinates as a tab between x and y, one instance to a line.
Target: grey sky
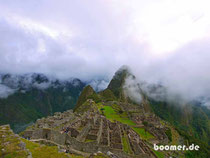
161	40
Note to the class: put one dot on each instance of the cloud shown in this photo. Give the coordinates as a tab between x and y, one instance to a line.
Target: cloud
10	83
162	41
5	91
185	74
98	85
132	89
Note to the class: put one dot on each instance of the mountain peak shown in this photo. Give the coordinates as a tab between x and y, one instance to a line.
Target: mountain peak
123	70
86	92
117	82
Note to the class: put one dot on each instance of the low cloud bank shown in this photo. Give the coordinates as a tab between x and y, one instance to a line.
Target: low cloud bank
132	90
5	91
183	76
10	83
98	85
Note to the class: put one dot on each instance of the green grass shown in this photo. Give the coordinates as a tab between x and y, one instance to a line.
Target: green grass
107	95
43	151
9	143
99	106
143	134
100	155
89	140
158	154
113	115
169	134
126	145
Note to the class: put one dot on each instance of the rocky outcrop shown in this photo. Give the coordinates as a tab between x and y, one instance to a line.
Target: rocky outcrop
11	144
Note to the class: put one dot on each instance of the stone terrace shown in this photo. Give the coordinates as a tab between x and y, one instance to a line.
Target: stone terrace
89	133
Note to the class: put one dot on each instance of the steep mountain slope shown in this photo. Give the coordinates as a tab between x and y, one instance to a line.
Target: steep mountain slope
35	96
117	82
191	121
87	92
116	85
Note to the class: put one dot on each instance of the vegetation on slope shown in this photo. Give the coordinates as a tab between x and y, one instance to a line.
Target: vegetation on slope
192	122
10	145
169	134
193	125
116	85
20	109
143	133
112	115
126	143
115	114
158	154
107	95
86	92
44	151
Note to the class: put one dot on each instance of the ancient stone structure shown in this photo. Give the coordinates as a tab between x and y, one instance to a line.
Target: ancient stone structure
89	133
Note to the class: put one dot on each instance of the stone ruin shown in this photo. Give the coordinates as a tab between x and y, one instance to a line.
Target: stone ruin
154	127
88	133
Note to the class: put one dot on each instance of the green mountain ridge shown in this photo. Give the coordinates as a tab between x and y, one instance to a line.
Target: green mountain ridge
29	103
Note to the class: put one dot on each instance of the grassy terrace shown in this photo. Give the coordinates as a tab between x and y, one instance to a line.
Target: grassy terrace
143	133
159	154
43	151
126	145
112	115
116	114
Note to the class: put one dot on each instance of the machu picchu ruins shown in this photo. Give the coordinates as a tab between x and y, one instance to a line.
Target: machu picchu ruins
89	132
105	124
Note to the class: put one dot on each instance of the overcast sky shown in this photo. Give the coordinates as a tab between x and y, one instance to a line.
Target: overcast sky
167	40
